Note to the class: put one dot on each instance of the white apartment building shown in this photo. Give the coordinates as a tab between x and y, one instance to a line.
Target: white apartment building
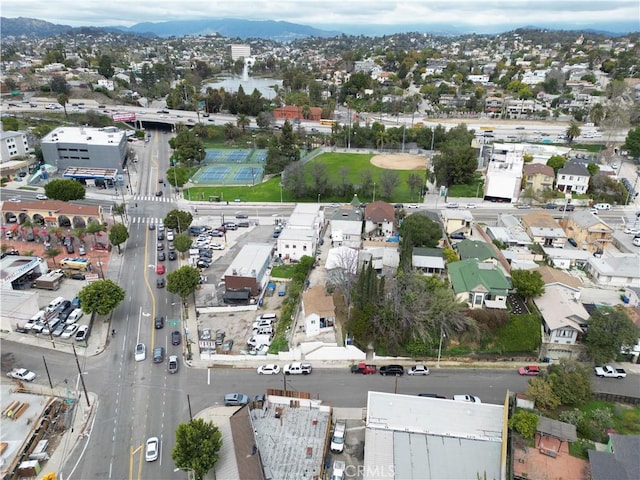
573	178
504	173
239	51
12	145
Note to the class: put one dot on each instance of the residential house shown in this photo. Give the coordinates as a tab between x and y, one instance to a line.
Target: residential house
619	461
493	104
295	243
346	227
573	178
564	319
504	173
384	255
544	230
509	231
615	270
318	310
429	261
457	221
379	219
538	177
553	276
479	284
588	230
481	251
567	257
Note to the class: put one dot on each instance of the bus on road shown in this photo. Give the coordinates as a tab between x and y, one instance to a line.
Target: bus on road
326	121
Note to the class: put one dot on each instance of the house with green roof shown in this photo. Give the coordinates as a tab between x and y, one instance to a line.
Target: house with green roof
479	284
476	249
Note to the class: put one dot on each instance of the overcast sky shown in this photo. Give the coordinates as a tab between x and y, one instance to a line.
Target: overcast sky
344	15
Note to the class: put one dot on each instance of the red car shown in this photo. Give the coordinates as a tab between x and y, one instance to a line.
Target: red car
160	269
530	371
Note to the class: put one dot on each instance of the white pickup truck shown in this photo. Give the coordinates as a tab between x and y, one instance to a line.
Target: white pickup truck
608	371
297	368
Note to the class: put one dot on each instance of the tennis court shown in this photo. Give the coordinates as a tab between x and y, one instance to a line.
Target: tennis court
231	167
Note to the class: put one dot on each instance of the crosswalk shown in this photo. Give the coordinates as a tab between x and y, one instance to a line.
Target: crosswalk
145	220
150	198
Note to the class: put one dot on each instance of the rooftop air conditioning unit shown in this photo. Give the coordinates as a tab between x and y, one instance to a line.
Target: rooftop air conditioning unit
234	272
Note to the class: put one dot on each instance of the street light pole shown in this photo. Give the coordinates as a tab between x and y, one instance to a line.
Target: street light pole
374	192
318	199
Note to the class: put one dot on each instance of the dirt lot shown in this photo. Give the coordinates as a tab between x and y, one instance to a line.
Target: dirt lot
400	161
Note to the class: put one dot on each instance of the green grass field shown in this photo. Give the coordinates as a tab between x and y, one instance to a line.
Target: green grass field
269	191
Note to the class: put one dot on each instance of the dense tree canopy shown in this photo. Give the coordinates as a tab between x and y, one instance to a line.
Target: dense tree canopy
101	296
197	446
178	220
118	234
632	142
64	189
422	231
183	281
528	283
609	331
188	149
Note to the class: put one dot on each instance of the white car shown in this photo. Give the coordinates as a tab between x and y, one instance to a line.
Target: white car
41	196
268	369
216	246
452	205
636	242
632	231
22	374
141	352
467	398
81	334
470	205
152	449
170	236
70	330
14	200
412	205
418	370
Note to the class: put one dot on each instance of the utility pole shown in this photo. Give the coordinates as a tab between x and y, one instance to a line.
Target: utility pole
84	387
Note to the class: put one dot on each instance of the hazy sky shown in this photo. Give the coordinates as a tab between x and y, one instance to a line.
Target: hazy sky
467	15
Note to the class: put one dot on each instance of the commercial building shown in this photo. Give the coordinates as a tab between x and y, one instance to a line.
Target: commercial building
412	437
239	51
504	173
248	271
85	147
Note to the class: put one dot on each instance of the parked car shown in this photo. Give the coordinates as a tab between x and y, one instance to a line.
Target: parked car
220	334
161	256
431	395
242	215
235	399
396	370
418	370
206	334
22	374
172	256
70	330
297	368
458	236
363	368
529	371
567	208
467	398
140	352
572	242
268	369
550	206
82	333
152	448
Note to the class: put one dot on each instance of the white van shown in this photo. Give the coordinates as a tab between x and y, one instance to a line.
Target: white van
267	316
602	206
55	303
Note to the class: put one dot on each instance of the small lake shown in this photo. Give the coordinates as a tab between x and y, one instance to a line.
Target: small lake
231	84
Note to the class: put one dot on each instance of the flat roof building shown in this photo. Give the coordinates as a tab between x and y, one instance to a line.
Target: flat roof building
248	271
67	147
412	437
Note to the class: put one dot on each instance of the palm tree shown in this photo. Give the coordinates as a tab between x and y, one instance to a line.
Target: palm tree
596	114
52	253
381	136
63	99
243	121
93	228
573	131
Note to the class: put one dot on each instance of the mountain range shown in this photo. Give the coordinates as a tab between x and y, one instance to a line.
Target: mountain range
266	29
227	27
